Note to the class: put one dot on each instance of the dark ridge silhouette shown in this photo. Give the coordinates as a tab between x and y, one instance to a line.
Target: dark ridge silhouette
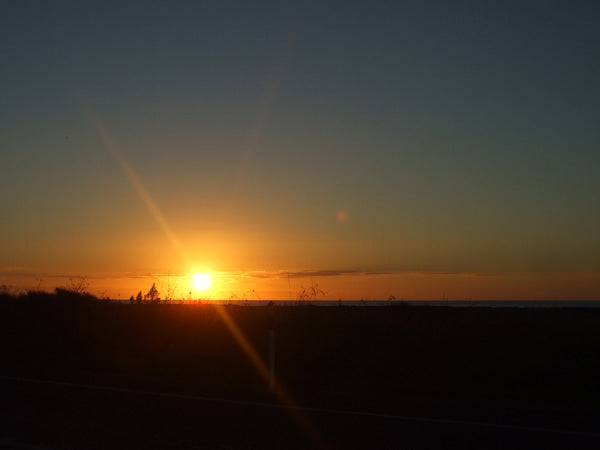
518	366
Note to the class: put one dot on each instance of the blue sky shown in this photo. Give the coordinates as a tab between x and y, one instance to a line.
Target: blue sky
456	137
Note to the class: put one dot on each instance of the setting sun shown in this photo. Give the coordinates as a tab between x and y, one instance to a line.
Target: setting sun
201	281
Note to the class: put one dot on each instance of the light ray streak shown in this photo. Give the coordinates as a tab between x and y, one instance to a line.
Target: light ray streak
141	191
262	112
283	396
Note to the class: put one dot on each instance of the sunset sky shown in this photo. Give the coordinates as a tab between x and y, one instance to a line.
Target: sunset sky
423	150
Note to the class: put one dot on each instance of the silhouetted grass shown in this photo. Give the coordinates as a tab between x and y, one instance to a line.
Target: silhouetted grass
512	355
438	361
60	297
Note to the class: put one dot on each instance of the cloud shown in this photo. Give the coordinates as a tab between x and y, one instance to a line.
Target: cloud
318	273
12	269
17	271
309	273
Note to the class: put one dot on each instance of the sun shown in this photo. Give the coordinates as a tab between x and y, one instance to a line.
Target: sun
201	281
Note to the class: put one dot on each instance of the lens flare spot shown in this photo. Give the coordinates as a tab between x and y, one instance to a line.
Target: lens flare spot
341	216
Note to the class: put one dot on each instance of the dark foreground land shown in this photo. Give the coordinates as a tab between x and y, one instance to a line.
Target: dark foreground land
80	374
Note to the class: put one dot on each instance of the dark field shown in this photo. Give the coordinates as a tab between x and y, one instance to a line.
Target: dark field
378	377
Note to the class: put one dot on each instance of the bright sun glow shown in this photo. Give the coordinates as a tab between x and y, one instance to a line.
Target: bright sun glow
201	281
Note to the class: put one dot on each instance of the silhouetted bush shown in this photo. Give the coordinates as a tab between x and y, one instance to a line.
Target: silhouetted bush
61	297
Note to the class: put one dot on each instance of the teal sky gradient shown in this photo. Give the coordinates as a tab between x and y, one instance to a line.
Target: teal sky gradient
456	136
